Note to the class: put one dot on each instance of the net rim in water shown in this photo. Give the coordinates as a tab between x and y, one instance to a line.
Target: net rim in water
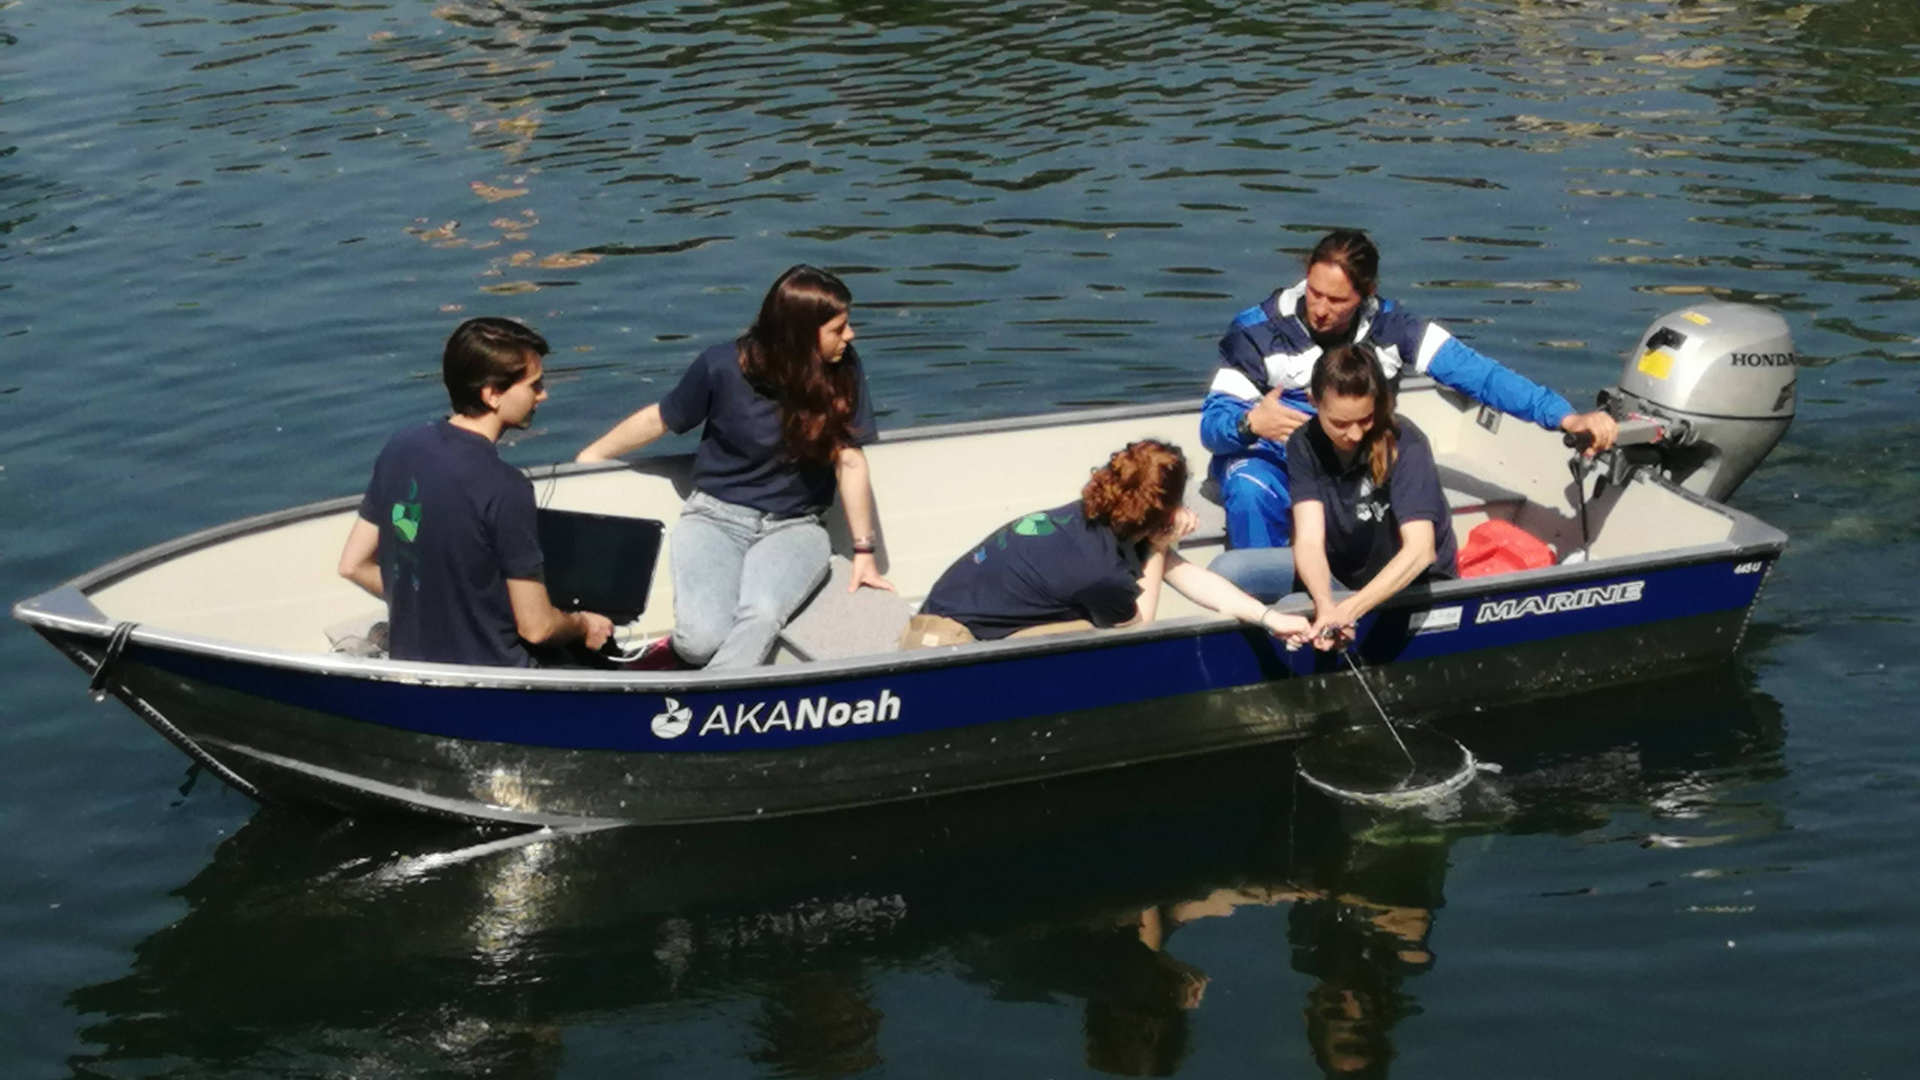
1399	797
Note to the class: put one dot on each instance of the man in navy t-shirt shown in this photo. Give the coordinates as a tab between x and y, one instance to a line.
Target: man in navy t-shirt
447	532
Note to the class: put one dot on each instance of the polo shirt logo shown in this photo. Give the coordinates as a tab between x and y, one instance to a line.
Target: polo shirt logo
1366	508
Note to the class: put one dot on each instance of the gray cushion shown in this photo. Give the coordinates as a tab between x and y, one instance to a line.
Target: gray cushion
836	623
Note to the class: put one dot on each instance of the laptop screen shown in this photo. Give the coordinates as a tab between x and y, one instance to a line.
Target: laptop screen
598	562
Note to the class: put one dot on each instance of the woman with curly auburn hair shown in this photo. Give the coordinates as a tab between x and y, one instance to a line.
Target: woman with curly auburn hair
1096	562
785	411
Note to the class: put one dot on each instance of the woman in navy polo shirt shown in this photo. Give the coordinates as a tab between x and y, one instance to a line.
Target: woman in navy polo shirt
1097	561
786	410
1368	510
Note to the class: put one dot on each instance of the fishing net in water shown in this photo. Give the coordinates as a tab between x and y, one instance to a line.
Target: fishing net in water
1380	766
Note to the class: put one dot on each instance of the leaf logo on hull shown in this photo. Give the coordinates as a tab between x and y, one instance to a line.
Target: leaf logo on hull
674	722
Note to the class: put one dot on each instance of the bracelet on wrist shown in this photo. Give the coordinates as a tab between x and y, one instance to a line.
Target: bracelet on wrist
863	548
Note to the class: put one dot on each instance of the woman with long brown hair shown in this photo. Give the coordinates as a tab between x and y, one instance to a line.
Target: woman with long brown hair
1098	561
1368	509
786	410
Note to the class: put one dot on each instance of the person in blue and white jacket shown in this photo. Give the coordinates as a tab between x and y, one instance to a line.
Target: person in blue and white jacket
1259	395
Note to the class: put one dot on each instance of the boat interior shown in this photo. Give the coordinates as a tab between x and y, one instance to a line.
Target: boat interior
938	491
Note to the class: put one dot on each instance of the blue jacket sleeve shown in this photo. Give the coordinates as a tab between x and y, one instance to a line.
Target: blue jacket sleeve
1486	381
1220	423
1238	383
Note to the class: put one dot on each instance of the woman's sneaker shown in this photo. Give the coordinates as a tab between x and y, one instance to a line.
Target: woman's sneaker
655	654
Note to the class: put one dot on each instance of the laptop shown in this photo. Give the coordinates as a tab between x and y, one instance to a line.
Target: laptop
599	562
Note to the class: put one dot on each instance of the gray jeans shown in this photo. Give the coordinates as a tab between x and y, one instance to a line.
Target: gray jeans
738	576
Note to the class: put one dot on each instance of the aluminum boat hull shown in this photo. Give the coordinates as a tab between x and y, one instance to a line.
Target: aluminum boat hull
586	752
586	748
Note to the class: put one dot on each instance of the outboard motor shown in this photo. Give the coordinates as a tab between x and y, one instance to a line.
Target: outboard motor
1705	395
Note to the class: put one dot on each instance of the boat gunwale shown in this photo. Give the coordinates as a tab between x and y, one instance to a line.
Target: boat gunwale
67	607
818	671
127	565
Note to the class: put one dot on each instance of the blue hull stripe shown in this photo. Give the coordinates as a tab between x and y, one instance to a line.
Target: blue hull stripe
966	695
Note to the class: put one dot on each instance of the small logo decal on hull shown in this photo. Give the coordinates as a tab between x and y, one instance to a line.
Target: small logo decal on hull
674	722
1436	621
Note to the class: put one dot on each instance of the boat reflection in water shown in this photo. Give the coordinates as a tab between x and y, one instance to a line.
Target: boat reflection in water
320	947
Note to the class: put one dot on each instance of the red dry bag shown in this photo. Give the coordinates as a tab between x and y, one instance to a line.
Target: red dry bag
1501	547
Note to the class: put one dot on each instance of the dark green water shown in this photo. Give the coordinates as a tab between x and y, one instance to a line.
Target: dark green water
233	235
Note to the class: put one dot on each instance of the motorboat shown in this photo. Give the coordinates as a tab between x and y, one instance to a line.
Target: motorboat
226	641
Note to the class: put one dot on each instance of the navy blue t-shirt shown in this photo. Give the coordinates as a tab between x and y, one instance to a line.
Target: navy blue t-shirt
1363	522
455	523
741	458
1051	566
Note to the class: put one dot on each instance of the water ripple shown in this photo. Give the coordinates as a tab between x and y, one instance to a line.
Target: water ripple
1083	153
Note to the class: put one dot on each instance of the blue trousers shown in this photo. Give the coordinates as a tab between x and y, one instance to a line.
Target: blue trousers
1259	509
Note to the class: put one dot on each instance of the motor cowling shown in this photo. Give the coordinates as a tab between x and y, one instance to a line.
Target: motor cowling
1707	392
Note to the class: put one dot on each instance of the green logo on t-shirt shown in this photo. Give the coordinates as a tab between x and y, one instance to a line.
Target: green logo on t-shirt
406	515
1034	525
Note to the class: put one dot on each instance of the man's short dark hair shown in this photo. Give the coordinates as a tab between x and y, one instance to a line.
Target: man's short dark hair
486	352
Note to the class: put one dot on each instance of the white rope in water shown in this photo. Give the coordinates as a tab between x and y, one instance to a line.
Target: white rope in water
1399	796
1384	718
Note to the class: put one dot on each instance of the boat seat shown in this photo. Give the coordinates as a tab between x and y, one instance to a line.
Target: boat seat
1467	493
1203	498
837	624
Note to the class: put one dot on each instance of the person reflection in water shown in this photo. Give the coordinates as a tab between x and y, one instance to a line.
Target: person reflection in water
1359	925
1136	994
1361	952
819	1023
1138	1026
